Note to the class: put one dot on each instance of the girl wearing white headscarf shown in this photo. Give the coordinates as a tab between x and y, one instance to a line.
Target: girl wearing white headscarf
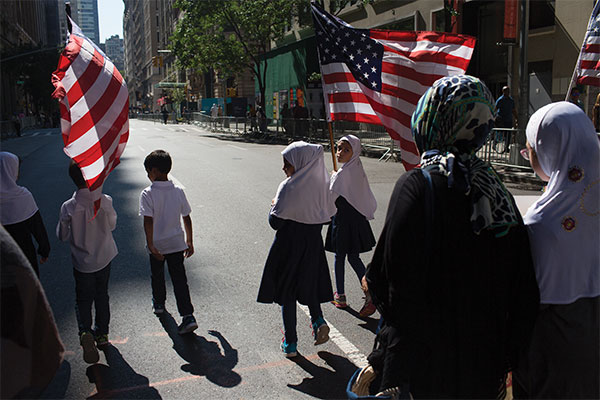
19	213
350	232
564	231
296	267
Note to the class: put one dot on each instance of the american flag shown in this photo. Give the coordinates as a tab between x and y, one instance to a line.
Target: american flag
94	106
588	65
378	76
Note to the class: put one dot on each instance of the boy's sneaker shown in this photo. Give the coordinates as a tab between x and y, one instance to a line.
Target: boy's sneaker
101	340
339	300
158	308
289	349
368	308
320	331
90	352
188	324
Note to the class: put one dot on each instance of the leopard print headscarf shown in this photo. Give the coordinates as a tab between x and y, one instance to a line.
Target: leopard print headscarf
451	122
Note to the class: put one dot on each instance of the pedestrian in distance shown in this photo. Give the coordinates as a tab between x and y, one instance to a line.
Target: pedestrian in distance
575	98
92	252
163	206
296	268
16	120
452	274
165	115
506	114
563	361
19	213
286	114
349	233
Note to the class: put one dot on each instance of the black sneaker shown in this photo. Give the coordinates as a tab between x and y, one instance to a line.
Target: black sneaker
90	352
158	308
188	324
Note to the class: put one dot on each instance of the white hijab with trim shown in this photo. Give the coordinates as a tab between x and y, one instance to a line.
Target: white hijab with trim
16	202
304	197
564	224
351	182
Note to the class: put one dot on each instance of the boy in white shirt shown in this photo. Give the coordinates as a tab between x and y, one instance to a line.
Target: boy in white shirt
163	205
92	251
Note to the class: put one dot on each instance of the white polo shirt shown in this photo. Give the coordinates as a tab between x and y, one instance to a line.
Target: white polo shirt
166	204
92	243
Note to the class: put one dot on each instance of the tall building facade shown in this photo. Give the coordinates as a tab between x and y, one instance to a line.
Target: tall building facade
85	15
28	29
114	51
140	22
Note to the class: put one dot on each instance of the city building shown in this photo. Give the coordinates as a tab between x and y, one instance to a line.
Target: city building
114	51
140	29
85	15
28	29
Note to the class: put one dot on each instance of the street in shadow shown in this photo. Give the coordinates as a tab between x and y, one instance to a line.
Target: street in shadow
59	384
325	384
369	323
118	379
204	357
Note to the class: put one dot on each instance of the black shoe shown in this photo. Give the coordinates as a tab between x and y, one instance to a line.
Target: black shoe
188	324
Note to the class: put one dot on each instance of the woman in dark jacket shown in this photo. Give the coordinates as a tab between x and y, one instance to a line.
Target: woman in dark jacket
452	274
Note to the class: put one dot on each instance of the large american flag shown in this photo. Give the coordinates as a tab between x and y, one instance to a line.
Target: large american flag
588	65
94	107
378	76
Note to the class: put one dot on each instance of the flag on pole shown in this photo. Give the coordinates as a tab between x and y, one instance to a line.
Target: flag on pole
588	64
378	76
94	107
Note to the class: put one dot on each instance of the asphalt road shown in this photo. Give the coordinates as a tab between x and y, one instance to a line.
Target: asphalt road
235	352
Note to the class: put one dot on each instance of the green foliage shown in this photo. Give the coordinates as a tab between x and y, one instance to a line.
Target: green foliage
228	36
314	77
178	95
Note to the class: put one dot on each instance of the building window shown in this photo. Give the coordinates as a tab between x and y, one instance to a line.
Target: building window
438	23
541	14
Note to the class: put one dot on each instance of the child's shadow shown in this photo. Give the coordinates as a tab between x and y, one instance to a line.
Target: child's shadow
325	384
204	357
118	379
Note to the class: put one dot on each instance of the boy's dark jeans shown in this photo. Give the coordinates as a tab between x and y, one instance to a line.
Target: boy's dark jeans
178	277
92	288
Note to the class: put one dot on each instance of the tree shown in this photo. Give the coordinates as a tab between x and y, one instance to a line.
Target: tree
228	36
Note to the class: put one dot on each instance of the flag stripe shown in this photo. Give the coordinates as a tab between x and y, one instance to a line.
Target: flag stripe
98	130
431	56
97	112
433	37
587	68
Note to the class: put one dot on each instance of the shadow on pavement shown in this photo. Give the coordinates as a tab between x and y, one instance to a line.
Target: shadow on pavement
325	384
369	323
59	384
118	379
204	357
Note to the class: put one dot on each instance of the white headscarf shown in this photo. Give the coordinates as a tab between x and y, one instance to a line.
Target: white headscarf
16	202
564	224
351	182
304	197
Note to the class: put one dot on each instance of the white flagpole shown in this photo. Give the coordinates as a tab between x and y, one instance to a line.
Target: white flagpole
589	27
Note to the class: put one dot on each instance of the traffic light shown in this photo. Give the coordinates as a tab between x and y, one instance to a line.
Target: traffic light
160	61
155	61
